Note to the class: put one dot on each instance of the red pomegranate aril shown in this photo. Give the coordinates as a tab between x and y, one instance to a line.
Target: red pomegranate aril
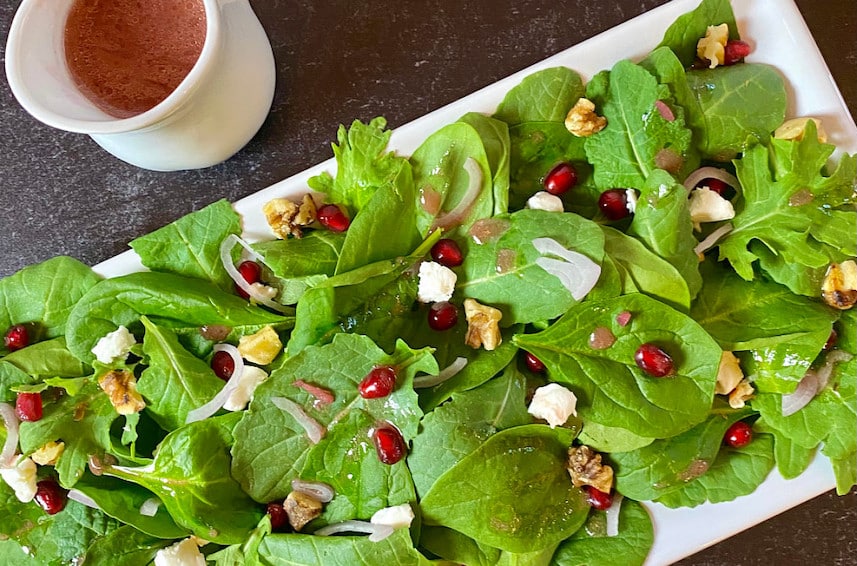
533	364
28	406
389	444
720	187
50	496
560	179
614	204
738	435
735	51
442	316
447	253
223	365
251	272
654	361
277	514
331	217
598	499
17	337
378	383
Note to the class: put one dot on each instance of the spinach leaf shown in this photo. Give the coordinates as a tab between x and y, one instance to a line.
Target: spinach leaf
308	550
300	263
180	303
590	546
669	464
783	332
175	381
273	449
247	553
190	474
457	547
735	472
689	28
26	366
495	139
126	546
524	291
605	438
544	96
44	294
81	421
624	153
190	246
610	388
741	105
512	493
457	428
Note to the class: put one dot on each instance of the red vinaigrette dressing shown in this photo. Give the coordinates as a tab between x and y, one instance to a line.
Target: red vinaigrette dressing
127	56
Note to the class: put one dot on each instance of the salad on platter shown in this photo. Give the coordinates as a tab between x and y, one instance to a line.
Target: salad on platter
491	351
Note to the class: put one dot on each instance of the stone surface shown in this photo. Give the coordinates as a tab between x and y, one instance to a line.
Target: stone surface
339	60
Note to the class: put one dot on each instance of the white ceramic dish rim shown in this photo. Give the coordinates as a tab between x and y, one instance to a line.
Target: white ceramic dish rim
781	38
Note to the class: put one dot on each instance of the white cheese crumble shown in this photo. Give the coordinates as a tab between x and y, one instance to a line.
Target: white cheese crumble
543	200
708	206
398	517
182	553
264	291
553	403
437	282
250	379
114	346
631	200
22	479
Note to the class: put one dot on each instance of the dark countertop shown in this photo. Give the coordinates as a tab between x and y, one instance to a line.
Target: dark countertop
337	61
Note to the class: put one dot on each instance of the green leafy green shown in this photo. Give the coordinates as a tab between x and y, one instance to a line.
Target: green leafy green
306	550
300	263
544	96
126	546
495	139
683	35
46	359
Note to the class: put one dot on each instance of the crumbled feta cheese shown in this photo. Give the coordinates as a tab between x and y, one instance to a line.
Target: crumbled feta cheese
543	200
712	47
262	347
398	517
553	403
708	206
22	479
631	200
250	379
114	346
182	553
582	121
264	291
437	282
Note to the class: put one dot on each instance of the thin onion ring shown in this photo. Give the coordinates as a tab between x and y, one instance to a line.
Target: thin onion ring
577	273
10	421
313	429
813	382
223	395
710	173
711	240
376	533
316	489
474	186
149	508
613	515
226	259
83	499
449	371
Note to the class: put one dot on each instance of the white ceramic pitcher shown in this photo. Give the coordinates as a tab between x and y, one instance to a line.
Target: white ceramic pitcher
212	114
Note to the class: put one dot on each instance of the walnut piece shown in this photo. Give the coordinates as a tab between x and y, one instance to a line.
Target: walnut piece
742	393
839	288
301	509
585	468
48	454
729	374
121	386
483	325
262	347
712	47
287	218
582	121
794	129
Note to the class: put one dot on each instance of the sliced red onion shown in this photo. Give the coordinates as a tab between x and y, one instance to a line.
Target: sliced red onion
376	533
613	515
665	111
220	399
226	258
710	173
575	271
314	431
825	371
10	421
457	215
322	395
711	240
149	508
449	371
83	499
813	382
315	489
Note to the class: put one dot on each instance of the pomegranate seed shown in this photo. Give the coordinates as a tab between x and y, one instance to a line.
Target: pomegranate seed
251	272
223	365
831	341
447	253
378	383
654	361
277	513
598	499
735	51
331	217
50	496
614	204
389	444
17	337
739	435
534	364
28	406
442	316
560	179
722	188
